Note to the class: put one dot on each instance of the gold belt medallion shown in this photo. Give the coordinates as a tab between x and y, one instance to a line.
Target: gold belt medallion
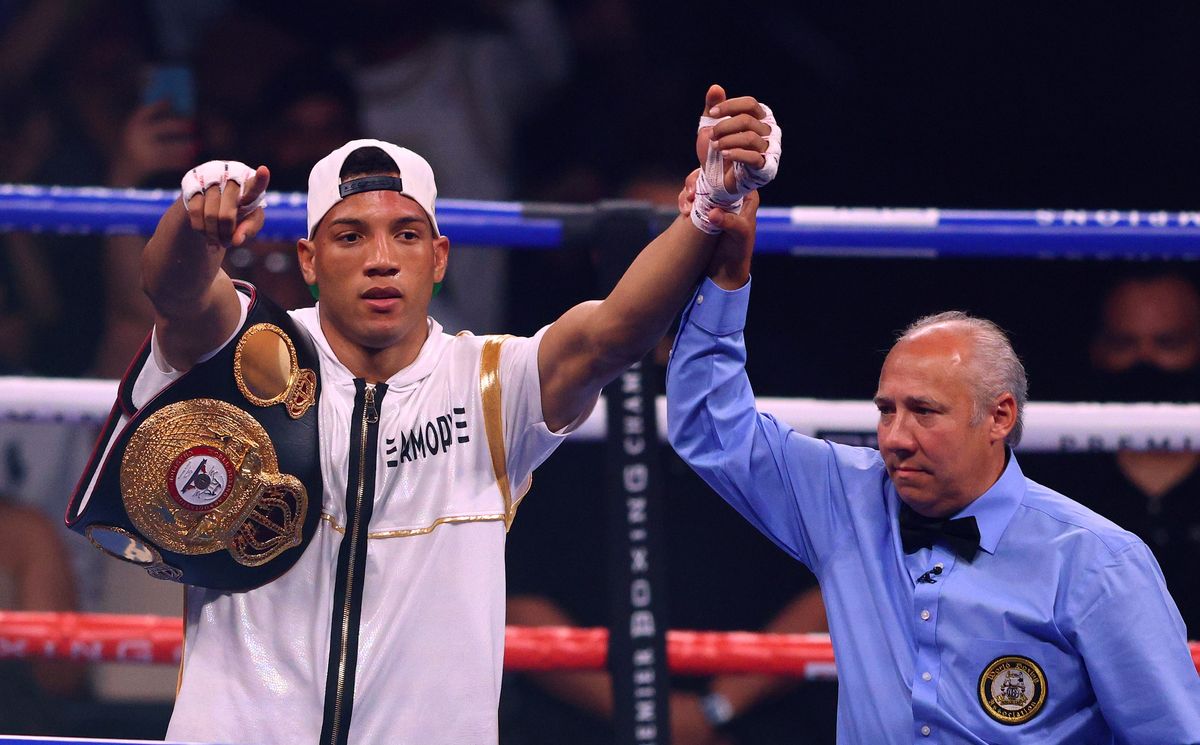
267	371
200	476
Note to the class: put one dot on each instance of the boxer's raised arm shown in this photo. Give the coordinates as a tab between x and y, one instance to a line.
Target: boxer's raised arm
593	342
738	145
195	305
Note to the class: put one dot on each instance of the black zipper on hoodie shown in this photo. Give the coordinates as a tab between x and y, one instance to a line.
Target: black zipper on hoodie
352	563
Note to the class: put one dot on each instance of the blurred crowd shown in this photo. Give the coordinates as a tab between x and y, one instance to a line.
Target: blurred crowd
536	100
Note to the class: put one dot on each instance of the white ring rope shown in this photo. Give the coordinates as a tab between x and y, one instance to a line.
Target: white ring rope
1049	427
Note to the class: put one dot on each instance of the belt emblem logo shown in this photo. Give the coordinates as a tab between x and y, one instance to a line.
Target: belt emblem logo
202	476
200	479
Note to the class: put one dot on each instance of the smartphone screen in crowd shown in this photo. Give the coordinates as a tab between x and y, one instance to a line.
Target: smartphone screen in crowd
171	83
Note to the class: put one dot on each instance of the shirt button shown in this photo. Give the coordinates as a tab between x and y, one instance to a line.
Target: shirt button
926	676
925	615
925	730
699	299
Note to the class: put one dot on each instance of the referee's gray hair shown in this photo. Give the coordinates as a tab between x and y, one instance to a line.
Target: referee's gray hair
997	369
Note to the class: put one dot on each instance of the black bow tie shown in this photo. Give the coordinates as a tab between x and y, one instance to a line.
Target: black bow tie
918	531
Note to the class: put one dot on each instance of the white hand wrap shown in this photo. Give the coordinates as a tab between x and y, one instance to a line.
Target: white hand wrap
711	191
220	172
710	186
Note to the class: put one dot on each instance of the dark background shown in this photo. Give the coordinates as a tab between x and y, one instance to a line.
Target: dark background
915	104
918	104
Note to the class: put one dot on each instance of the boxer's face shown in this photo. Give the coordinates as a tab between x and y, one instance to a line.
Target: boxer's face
375	259
938	457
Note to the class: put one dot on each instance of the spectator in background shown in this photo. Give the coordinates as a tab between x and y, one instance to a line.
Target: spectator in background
311	112
229	97
619	63
31	32
28	304
1147	348
457	92
64	125
304	114
35	575
156	145
61	123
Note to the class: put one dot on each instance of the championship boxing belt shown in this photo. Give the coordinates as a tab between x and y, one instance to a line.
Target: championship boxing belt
216	481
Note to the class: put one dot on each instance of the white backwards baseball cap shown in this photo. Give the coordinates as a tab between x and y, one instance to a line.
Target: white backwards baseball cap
325	186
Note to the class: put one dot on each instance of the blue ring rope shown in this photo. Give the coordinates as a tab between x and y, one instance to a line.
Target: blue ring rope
821	231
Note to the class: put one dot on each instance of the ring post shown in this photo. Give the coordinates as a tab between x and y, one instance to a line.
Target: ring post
637	646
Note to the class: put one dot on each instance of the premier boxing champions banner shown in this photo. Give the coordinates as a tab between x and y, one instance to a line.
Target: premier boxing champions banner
637	650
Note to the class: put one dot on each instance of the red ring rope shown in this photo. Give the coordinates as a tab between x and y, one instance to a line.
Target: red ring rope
97	637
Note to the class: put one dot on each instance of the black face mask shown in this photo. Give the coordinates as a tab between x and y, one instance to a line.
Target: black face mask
1147	382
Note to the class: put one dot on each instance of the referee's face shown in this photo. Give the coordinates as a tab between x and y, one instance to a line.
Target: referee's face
938	457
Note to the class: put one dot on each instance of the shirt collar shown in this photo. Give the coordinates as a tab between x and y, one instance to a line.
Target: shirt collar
427	359
420	368
993	510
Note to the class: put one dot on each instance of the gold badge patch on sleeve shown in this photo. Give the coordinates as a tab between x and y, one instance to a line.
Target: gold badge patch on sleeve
1012	689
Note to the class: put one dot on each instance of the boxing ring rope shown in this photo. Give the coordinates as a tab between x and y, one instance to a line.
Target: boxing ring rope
884	232
94	637
807	231
1049	427
832	231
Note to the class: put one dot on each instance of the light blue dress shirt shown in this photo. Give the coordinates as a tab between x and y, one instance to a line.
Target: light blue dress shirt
1054	584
